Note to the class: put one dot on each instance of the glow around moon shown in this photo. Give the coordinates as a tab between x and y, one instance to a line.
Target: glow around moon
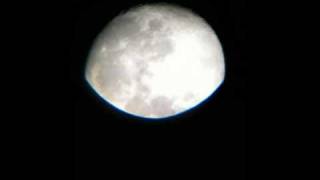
156	61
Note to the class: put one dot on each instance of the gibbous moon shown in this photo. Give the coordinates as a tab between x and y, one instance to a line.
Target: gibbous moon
156	61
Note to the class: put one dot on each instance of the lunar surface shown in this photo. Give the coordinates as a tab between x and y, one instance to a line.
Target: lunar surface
156	61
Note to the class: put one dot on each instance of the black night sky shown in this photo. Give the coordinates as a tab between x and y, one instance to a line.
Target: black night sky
91	140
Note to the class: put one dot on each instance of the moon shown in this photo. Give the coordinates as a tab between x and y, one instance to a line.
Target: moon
156	61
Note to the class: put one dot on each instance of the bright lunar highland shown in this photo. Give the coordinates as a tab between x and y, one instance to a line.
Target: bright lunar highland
156	61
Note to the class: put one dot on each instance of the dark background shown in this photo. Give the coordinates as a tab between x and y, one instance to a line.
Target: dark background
80	137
